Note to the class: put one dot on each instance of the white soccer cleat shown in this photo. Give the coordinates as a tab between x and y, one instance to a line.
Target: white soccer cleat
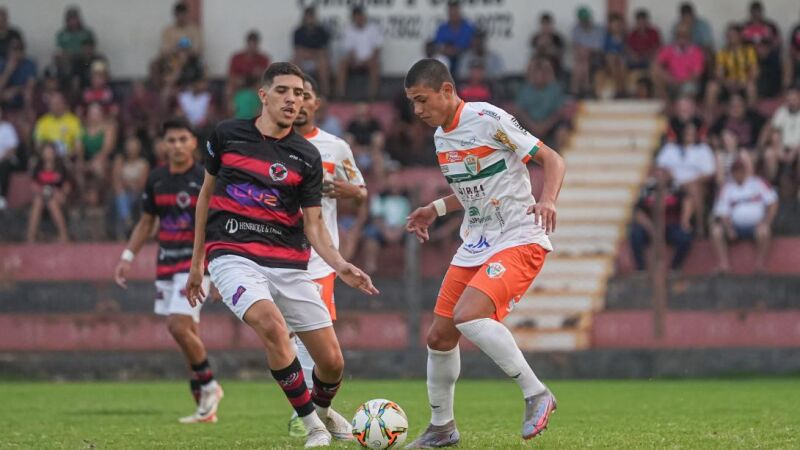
210	396
318	437
339	427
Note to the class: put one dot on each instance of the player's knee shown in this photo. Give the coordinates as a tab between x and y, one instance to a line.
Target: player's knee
442	340
271	330
331	365
178	327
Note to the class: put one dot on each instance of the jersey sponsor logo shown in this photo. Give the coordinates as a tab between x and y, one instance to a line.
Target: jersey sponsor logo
518	125
278	171
181	222
239	291
210	149
445	169
495	270
489	113
475	217
469	142
349	170
250	195
474	212
472	164
502	138
498	213
477	247
232	226
453	157
183	199
472	193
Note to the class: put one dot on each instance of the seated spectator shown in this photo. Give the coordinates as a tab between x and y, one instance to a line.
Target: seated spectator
782	161
50	190
73	36
745	210
388	212
793	66
678	209
434	51
99	91
17	77
787	119
736	70
548	43
540	102
690	165
328	122
8	33
479	53
99	137
182	29
684	113
455	35
83	64
129	176
476	87
643	41
365	136
587	40
180	68
249	62
699	30
195	103
245	103
60	128
311	41
745	123
362	44
614	48
679	66
9	141
643	89
770	70
727	152
142	109
759	29
780	164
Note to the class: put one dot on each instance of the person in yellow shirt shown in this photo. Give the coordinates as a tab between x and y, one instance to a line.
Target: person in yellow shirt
61	127
736	69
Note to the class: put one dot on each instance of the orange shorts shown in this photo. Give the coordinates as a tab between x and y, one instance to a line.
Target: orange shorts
325	286
504	278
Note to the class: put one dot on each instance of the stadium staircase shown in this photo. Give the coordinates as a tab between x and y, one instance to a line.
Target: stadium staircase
608	157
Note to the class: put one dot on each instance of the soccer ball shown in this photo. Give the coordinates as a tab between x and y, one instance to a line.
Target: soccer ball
380	424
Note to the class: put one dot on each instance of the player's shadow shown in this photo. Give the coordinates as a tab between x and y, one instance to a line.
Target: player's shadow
117	412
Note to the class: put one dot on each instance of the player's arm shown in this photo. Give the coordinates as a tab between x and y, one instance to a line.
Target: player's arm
319	238
194	285
141	232
554	170
348	182
422	218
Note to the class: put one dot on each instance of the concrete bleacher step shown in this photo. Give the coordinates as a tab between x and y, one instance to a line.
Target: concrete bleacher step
609	232
632	142
616	177
530	339
584	247
599	213
568	283
575	267
580	302
629	125
550	321
586	195
606	108
603	158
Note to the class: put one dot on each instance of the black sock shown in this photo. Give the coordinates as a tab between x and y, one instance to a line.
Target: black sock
291	380
194	385
203	373
323	392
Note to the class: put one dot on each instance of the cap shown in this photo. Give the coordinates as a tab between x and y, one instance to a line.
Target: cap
184	42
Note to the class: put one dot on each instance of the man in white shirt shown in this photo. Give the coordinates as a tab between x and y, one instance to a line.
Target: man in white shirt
362	42
745	209
9	141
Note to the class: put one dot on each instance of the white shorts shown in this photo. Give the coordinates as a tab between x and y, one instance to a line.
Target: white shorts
242	283
171	297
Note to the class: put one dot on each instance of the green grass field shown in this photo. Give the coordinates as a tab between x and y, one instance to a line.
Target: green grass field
747	414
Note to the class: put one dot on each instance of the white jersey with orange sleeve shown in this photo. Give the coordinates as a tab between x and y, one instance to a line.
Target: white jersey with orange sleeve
337	163
482	154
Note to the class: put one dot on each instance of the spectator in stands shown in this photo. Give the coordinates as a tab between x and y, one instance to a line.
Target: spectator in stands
548	43
311	41
71	38
181	67
760	29
99	91
181	29
644	41
476	87
727	152
61	128
745	210
793	66
245	102
736	70
478	52
678	210
99	138
780	165
699	30
142	109
691	167
587	40
614	48
388	212
17	77
643	89
434	51
8	33
83	64
540	103
745	123
9	141
50	190
195	103
781	160
366	138
787	119
770	70
455	35
249	62
329	122
129	176
679	66
684	113
362	44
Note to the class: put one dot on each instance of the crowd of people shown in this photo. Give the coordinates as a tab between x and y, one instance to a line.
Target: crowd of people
89	139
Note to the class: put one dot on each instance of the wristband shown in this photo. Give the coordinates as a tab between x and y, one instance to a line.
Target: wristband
127	255
440	207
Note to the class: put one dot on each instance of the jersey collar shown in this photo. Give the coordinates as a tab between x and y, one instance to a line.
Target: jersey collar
456	119
311	134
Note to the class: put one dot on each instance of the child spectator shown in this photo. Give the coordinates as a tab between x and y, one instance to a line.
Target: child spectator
50	190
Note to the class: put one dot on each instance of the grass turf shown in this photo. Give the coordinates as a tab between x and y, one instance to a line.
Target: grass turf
748	413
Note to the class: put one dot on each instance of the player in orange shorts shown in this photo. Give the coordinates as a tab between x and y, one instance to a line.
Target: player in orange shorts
482	152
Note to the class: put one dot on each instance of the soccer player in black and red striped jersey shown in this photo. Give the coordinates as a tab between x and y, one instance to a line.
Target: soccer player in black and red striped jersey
257	213
169	199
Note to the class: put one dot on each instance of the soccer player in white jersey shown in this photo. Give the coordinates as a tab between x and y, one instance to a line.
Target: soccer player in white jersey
342	180
482	152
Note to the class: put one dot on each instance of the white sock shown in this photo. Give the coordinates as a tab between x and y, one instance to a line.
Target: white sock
312	421
443	371
496	341
305	361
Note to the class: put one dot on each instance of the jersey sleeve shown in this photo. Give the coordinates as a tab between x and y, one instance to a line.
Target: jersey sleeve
213	154
346	169
311	187
149	196
511	136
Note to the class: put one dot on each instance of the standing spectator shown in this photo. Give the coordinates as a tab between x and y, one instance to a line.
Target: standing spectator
745	210
476	88
434	51
455	35
745	123
182	28
50	190
365	136
691	167
677	218
685	113
249	62
195	103
245	103
9	141
362	44
548	43
679	66
311	41
760	29
587	39
7	33
60	127
614	48
129	175
540	102
388	212
99	138
699	30
736	70
644	40
71	38
17	77
478	52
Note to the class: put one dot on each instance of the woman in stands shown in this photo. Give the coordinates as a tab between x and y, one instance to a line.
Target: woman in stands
51	188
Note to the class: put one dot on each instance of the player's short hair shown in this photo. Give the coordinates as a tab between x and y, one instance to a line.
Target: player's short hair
313	82
278	69
430	72
176	123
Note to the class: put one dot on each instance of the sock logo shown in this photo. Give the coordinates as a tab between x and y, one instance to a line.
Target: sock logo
239	291
290	380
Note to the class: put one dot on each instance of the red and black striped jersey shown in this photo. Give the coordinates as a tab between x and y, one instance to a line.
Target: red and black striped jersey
173	197
261	187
